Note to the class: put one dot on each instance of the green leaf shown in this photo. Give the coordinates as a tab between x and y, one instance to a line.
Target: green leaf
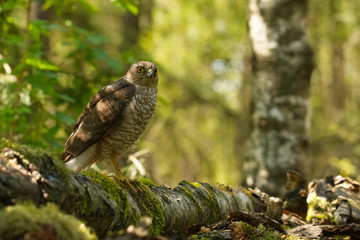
7	113
55	26
66	98
41	64
42	26
61	117
48	4
89	56
15	39
99	53
114	64
8	5
23	109
127	6
129	56
4	60
41	80
97	39
84	4
132	8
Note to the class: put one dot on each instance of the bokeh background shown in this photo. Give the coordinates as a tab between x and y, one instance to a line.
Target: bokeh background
55	54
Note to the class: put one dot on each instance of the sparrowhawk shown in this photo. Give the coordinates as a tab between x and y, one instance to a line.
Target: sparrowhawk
114	119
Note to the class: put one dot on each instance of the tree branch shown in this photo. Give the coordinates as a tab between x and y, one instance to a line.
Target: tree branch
108	203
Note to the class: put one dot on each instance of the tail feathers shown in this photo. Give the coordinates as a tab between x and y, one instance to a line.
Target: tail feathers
77	164
66	156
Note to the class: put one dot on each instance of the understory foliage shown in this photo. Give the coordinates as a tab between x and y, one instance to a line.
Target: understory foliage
51	62
54	55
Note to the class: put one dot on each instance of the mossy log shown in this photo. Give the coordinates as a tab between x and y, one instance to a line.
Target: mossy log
108	203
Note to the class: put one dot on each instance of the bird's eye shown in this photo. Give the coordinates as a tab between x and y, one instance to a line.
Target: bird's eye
140	69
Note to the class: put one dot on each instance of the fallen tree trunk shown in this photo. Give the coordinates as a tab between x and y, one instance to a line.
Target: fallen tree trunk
108	203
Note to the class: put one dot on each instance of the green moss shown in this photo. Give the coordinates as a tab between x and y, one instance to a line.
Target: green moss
213	206
225	189
61	169
199	209
110	186
195	184
27	151
83	207
154	209
319	210
242	230
211	202
207	191
21	219
42	159
247	192
150	204
146	181
5	143
138	189
318	217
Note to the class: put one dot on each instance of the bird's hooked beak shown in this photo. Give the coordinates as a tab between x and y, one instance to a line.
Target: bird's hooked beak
151	73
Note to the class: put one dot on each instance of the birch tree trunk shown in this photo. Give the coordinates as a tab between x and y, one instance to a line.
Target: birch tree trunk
109	203
282	66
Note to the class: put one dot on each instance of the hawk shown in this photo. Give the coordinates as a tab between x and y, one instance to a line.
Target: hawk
114	119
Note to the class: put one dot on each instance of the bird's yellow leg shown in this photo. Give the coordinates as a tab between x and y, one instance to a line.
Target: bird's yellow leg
117	168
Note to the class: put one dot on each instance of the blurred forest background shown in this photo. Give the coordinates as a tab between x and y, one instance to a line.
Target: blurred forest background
55	54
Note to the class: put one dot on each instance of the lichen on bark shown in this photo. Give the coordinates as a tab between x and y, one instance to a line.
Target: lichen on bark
106	203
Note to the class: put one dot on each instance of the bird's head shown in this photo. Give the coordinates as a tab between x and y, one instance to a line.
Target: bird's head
143	73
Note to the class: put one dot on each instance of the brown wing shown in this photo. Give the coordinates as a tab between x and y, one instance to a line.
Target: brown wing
103	110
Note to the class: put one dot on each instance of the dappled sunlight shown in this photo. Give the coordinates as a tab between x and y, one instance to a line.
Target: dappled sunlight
56	56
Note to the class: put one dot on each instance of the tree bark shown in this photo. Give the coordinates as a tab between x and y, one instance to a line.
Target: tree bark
282	66
108	203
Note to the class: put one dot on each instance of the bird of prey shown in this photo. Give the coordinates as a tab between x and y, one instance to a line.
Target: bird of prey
114	119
